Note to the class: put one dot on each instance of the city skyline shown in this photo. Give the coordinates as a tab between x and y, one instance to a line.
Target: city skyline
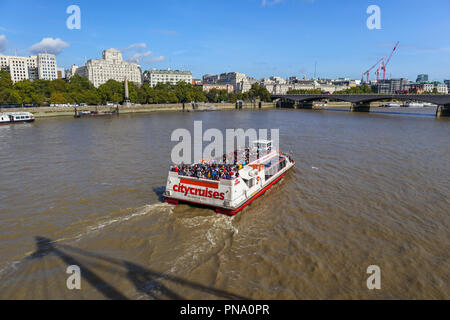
258	38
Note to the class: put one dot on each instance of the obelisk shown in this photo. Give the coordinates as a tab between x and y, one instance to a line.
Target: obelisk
127	97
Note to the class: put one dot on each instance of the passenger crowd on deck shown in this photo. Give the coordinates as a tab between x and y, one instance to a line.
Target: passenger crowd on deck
213	170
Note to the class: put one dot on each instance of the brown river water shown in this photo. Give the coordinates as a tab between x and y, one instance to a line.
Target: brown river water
367	189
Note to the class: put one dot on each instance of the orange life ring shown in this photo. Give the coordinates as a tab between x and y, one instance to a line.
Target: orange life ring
259	178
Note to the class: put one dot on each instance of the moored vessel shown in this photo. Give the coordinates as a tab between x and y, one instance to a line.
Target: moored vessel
229	188
15	117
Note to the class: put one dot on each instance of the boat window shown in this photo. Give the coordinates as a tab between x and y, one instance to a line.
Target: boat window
270	172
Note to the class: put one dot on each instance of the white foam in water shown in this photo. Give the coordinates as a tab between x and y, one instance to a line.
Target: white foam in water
213	235
142	212
12	265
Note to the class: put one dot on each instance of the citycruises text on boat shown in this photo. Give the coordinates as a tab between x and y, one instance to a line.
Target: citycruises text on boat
228	188
16	117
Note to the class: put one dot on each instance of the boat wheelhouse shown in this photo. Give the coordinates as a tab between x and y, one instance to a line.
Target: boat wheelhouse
229	188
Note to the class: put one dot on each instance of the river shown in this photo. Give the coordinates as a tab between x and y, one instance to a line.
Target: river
367	189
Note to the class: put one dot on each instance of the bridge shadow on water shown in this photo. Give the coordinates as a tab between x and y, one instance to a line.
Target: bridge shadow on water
144	280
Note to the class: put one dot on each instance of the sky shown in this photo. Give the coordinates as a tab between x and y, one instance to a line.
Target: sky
260	38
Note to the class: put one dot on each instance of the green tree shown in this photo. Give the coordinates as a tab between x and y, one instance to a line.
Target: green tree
365	89
78	83
57	98
304	91
111	91
258	92
38	98
5	80
57	85
10	96
133	91
26	90
42	87
91	97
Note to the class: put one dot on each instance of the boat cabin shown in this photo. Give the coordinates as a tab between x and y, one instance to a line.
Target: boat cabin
265	145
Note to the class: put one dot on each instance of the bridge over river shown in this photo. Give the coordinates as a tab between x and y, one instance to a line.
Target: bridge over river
361	102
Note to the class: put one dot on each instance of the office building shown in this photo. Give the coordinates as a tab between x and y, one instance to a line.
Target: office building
422	78
110	67
239	81
43	66
153	77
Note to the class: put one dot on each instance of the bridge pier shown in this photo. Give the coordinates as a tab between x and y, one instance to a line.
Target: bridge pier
286	104
305	105
360	107
443	111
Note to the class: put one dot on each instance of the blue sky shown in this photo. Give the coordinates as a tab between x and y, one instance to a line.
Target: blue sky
258	37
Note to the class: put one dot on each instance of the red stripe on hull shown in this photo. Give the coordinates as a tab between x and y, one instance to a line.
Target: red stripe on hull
228	212
200	183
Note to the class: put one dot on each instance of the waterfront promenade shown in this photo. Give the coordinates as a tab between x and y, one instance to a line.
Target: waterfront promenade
145	108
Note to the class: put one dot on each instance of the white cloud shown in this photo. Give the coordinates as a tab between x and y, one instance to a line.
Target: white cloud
136	53
3	43
136	57
49	45
156	59
141	45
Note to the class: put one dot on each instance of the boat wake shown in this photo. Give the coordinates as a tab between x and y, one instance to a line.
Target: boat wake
143	211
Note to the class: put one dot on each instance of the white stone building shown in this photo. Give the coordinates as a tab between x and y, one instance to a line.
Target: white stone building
43	66
111	66
441	88
239	81
277	85
153	77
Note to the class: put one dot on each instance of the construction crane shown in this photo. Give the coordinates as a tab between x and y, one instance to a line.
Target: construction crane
384	65
368	71
378	70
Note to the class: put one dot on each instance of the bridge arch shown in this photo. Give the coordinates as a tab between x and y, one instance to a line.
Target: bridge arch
361	102
442	100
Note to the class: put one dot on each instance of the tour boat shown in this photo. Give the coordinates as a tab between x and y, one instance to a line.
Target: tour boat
16	117
231	195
